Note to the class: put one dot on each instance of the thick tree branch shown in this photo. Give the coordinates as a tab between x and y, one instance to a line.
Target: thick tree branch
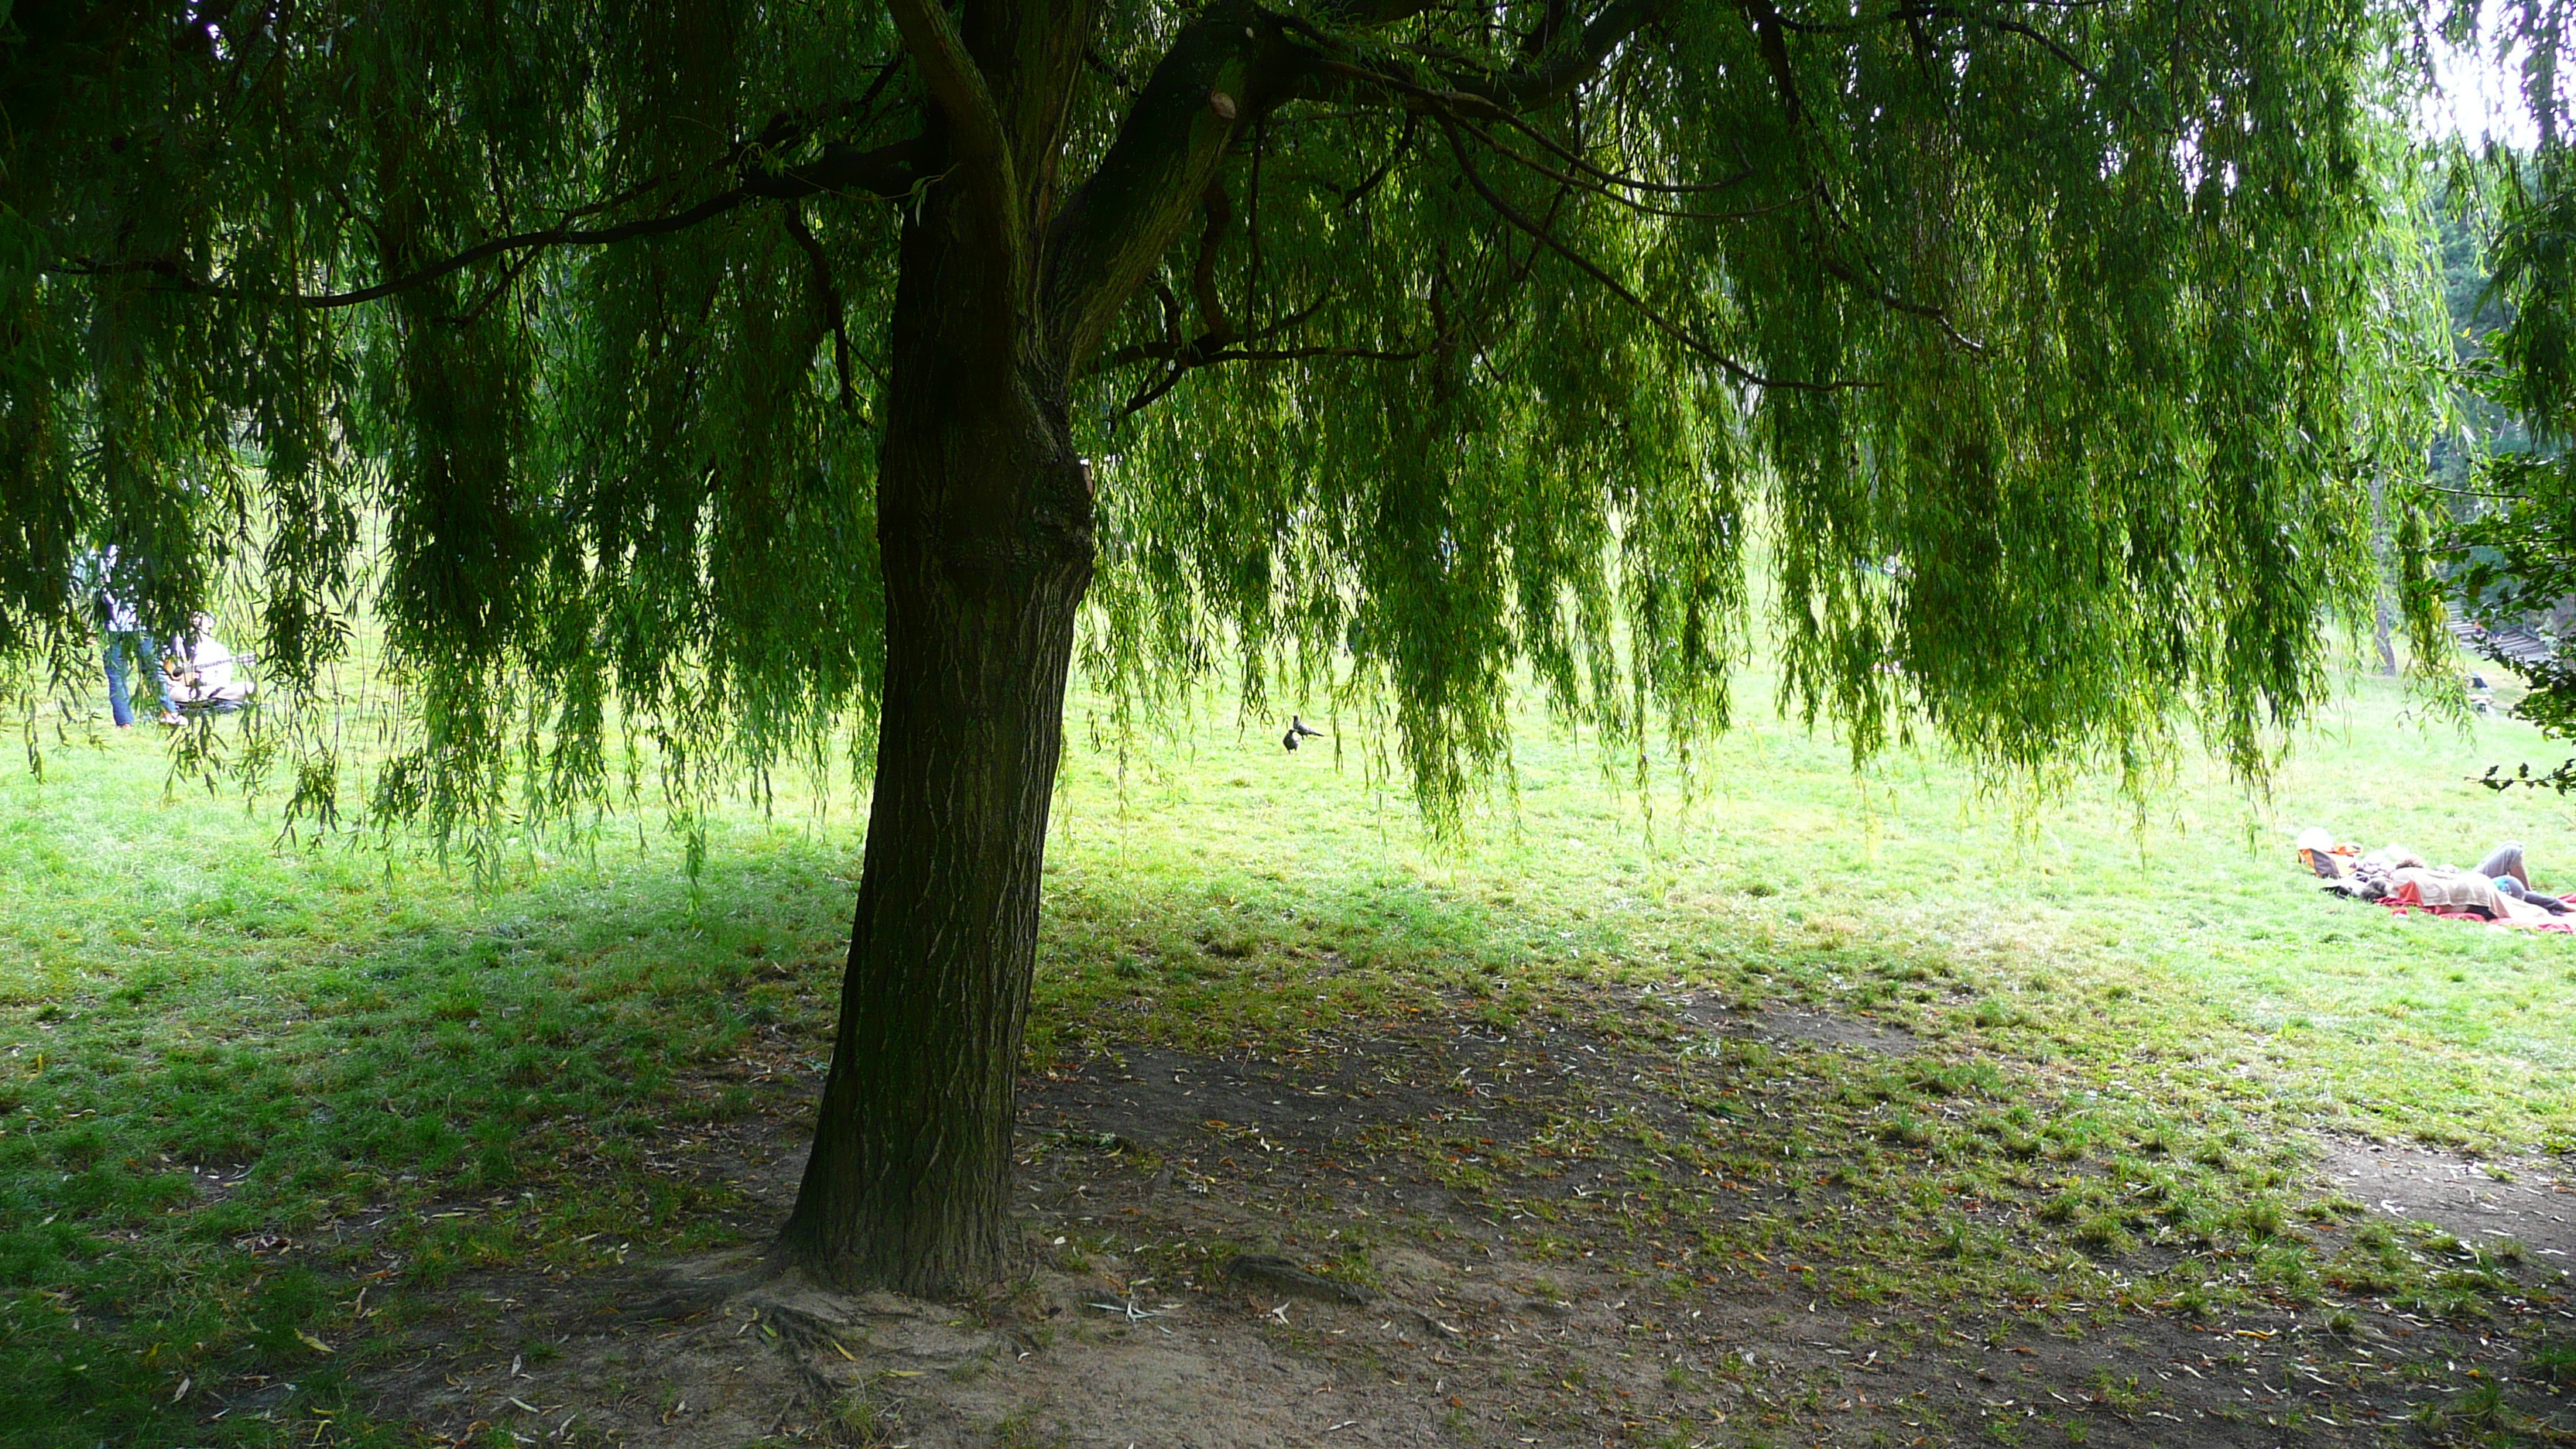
1547	78
1229	67
1031	53
977	143
1122	220
1768	30
1558	71
1220	216
1551	23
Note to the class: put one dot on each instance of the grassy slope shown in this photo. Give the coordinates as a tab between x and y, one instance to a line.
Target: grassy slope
183	996
2077	911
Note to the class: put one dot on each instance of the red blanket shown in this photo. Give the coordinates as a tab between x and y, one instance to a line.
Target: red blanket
2521	917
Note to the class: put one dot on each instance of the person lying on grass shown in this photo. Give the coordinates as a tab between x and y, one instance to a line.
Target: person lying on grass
2499	878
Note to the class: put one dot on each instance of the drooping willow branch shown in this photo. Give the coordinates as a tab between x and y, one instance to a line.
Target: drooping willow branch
1486	107
1186	357
1607	192
1447	104
827	300
1888	297
1154	391
885	173
1690	340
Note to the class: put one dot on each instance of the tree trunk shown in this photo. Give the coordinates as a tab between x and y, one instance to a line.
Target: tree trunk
984	520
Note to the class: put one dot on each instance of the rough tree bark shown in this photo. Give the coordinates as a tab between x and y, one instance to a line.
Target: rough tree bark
984	519
985	526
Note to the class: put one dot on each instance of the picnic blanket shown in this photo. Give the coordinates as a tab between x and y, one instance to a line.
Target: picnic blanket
2399	879
2411	894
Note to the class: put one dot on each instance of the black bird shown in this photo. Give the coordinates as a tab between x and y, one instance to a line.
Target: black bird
1298	727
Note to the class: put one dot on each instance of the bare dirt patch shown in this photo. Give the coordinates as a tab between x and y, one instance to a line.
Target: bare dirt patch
1796	1024
1501	1289
2527	1200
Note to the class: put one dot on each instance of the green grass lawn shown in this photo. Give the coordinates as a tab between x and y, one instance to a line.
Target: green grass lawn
2184	927
241	1078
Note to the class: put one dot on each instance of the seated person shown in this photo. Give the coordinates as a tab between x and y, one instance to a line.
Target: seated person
202	671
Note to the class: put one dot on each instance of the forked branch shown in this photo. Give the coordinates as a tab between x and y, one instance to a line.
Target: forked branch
1227	70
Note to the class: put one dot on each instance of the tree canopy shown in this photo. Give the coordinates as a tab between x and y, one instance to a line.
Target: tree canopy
724	376
2045	337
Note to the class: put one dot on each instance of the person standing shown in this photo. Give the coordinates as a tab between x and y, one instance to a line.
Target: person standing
125	644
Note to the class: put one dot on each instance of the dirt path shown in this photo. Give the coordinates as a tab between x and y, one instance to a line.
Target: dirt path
1483	1273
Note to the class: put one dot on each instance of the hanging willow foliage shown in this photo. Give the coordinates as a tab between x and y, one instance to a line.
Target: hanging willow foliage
2048	341
2051	364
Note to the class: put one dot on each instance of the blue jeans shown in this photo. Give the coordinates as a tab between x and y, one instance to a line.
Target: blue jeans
2504	863
147	662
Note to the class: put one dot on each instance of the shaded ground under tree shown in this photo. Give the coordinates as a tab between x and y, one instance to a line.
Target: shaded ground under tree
1540	1236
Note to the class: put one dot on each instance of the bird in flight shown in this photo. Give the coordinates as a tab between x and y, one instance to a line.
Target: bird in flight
1298	727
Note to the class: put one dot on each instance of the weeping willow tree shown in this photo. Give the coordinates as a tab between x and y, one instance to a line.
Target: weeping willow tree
727	375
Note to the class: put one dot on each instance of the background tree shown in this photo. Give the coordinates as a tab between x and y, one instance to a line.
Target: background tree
2508	544
725	374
